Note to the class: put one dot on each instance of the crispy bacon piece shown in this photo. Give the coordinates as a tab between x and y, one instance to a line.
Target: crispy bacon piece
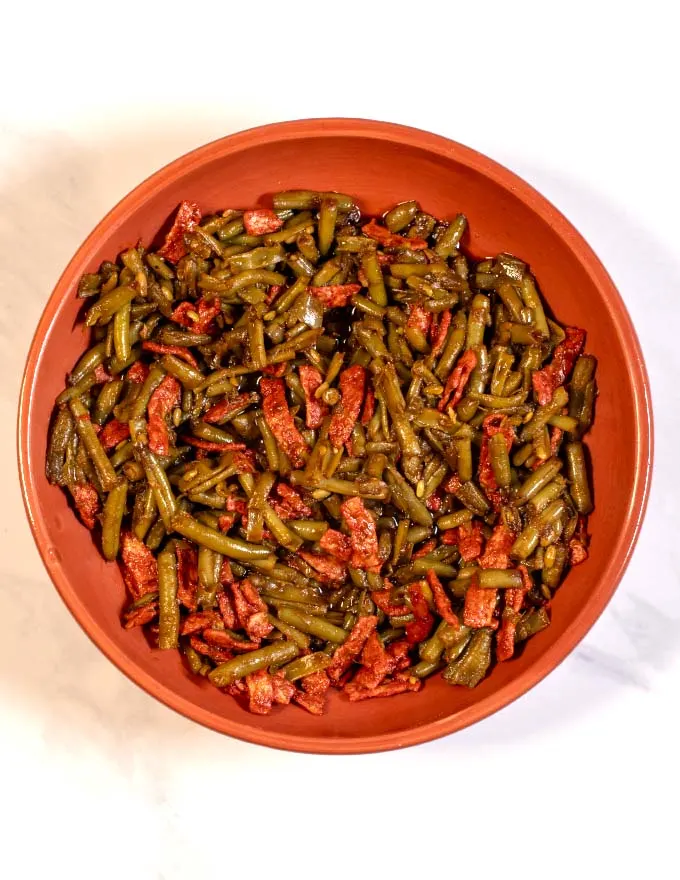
280	421
400	651
439	332
198	621
327	569
383	601
470	540
419	318
389	239
441	601
101	375
369	407
480	606
334	296
260	692
219	655
514	598
421	627
221	411
164	399
179	351
315	410
457	380
313	694
137	373
498	547
493	424
113	433
388	689
336	544
426	548
376	664
261	221
362	535
223	639
203	312
87	504
284	690
352	383
293	501
224	603
350	649
138	565
553	375
578	545
187	218
140	616
187	577
435	501
274	370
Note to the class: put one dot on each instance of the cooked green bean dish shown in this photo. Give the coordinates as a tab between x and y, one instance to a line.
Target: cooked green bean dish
327	450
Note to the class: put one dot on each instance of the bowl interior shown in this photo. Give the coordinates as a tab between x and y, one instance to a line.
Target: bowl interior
381	165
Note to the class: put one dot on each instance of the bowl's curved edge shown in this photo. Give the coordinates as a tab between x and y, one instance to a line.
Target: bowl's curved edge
644	437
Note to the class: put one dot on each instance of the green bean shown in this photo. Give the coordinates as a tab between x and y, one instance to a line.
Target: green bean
554	563
188	376
203	535
155	536
401	215
530	623
470	668
152	381
478	319
450	239
112	517
304	199
544	413
168	620
374	276
144	512
308	529
405	498
533	301
121	333
60	437
245	664
500	460
287	538
549	493
453	520
315	626
87	363
106	400
302	640
307	665
472	497
492	578
538	480
158	480
108	304
578	477
88	437
424	668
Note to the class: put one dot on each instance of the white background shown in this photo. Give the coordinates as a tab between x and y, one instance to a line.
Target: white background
578	778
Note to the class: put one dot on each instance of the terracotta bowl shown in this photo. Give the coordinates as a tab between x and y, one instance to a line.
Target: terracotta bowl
381	164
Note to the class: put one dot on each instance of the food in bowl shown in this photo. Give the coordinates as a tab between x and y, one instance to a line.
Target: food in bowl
327	449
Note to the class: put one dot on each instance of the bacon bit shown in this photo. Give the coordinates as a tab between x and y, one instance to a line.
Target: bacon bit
284	690
276	371
113	433
237	505
236	689
260	692
421	627
352	646
164	399
336	544
140	616
198	621
241	605
361	275
101	375
186	220
225	408
435	501
313	695
211	446
369	407
334	296
226	521
137	373
388	689
555	439
493	424
514	599
223	639
261	221
547	380
87	503
258	625
470	540
207	312
179	351
441	601
272	293
452	484
293	501
458	379
578	545
376	664
187	577
497	548
345	415
427	547
327	570
383	601
219	655
419	318
138	565
400	651
439	333
315	410
450	537
480	606
280	421
362	535
390	239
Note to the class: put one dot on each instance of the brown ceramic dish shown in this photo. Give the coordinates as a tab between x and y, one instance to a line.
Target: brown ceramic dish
381	164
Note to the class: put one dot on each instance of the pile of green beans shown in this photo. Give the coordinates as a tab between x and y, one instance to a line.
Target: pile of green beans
428	469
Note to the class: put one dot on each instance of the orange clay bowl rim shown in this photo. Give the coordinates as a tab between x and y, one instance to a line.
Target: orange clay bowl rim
622	324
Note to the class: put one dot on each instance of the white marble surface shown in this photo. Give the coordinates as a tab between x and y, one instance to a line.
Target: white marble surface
98	779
